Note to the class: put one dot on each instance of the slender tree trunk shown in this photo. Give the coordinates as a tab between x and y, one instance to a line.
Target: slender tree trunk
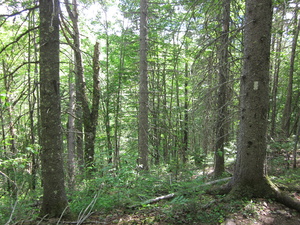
276	75
79	81
143	90
90	119
107	107
166	153
118	107
8	79
89	116
222	119
286	117
54	196
71	134
185	141
32	100
296	141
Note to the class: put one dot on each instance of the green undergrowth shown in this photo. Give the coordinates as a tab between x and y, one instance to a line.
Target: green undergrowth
127	187
114	191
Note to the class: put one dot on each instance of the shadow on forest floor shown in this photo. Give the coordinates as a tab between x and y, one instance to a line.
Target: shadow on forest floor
260	212
189	206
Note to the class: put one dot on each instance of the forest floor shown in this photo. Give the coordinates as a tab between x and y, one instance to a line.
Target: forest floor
192	205
258	211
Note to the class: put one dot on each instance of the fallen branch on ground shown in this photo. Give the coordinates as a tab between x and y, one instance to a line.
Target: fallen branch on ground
172	195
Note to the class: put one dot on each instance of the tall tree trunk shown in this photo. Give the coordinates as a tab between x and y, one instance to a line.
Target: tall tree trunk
286	117
32	99
185	140
222	119
54	196
109	92
297	135
90	119
79	80
89	116
8	79
143	89
276	74
71	134
249	177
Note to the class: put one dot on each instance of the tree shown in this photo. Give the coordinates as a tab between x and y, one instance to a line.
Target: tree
254	100
80	90
143	92
89	114
250	178
54	196
222	101
286	117
277	48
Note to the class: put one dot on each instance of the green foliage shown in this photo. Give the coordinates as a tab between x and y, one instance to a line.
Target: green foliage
183	67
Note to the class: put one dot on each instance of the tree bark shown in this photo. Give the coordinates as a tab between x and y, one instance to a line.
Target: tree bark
249	176
90	116
80	94
286	117
221	131
54	196
277	64
143	89
71	135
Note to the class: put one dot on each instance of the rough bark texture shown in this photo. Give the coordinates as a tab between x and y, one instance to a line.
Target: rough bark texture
54	196
143	92
250	179
249	175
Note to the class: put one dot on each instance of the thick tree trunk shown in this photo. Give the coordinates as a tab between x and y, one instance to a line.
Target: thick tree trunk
54	196
250	179
143	92
249	176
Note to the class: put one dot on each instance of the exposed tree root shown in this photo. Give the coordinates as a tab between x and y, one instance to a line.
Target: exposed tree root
266	189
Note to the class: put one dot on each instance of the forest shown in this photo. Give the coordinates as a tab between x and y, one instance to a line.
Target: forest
149	112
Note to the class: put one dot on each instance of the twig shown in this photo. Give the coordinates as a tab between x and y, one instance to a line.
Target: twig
82	216
42	219
12	212
62	215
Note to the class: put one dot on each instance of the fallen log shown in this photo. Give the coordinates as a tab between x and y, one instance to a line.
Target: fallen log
172	195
